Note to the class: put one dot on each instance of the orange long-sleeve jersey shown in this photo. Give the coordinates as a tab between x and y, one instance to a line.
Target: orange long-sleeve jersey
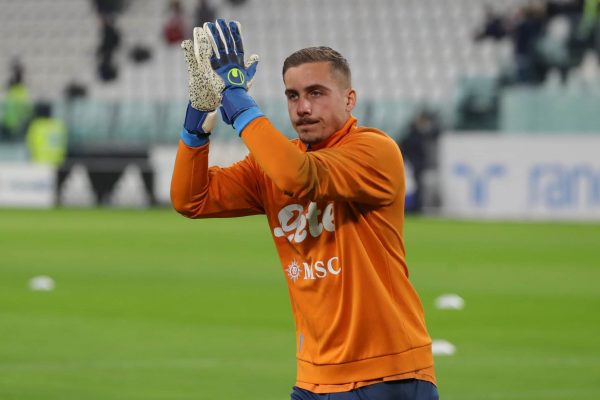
336	213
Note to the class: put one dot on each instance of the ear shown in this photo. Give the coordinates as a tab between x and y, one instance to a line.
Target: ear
350	99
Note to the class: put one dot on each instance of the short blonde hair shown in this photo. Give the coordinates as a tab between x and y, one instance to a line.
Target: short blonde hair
320	54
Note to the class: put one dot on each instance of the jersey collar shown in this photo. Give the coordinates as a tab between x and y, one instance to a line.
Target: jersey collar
335	137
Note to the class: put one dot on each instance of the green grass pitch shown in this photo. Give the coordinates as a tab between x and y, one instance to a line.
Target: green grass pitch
149	305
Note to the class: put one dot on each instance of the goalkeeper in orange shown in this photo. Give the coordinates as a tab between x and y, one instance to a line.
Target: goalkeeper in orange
334	201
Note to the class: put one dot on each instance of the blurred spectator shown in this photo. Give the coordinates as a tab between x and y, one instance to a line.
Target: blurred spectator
585	33
477	103
535	52
174	28
16	111
204	12
419	149
46	137
108	7
494	27
140	53
110	37
75	90
110	40
525	27
528	27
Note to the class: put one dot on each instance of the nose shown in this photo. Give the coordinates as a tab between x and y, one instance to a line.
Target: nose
304	107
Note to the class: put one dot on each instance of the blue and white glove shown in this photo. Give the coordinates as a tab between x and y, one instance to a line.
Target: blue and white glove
197	126
237	107
205	88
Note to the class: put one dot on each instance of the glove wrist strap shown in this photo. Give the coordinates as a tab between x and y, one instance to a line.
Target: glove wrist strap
192	139
236	101
245	117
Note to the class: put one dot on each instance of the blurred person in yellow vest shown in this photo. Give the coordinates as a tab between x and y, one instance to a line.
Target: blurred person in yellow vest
46	137
16	109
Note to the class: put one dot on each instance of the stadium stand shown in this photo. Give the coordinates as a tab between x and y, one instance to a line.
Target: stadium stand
404	54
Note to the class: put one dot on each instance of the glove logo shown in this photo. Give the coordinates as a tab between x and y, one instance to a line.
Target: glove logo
236	77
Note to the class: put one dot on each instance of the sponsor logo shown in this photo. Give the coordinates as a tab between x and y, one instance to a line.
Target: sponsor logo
319	269
296	223
479	181
558	186
293	270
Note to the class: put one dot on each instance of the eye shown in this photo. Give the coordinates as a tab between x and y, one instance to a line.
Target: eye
316	93
292	96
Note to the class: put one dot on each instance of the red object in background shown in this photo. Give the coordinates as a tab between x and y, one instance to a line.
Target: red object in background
174	30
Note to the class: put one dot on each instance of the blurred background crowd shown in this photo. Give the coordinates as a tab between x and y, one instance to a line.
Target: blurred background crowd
98	82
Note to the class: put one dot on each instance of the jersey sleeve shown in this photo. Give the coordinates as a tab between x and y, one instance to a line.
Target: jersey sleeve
367	168
200	191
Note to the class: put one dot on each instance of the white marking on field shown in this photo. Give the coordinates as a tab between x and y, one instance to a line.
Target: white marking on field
450	301
41	283
441	347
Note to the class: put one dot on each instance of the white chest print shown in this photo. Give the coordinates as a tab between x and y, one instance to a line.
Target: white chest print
319	269
293	221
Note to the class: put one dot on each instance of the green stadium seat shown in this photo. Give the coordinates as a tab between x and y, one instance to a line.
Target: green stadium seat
137	121
277	112
542	110
391	115
89	121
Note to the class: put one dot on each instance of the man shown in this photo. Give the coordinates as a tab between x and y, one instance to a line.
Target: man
419	148
334	201
46	137
15	114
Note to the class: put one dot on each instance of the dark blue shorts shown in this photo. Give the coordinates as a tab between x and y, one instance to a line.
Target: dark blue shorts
409	389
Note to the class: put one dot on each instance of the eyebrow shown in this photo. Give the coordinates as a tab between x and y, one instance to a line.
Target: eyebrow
316	86
309	88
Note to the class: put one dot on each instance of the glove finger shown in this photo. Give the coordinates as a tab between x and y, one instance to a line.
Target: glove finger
251	65
225	35
218	41
203	49
204	54
208	29
202	46
236	32
190	59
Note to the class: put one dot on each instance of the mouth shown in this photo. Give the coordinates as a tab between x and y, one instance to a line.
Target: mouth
306	122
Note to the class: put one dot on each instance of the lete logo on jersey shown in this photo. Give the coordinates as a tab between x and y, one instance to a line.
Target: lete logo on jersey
294	221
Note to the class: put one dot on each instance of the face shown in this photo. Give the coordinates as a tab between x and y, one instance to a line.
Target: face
319	103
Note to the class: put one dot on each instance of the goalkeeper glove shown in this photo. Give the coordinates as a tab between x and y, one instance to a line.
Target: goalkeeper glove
205	89
205	86
237	107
